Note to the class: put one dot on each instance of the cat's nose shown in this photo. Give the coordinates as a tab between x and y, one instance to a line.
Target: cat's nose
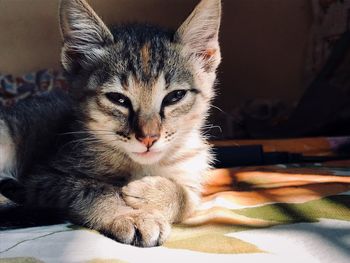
148	140
147	129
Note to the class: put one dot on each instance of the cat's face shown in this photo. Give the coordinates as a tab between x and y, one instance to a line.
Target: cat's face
143	90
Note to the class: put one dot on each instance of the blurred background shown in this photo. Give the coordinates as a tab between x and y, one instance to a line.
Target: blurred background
285	69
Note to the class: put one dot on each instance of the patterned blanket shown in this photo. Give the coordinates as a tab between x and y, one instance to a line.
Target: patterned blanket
294	213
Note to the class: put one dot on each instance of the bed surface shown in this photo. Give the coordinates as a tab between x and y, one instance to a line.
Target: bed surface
281	213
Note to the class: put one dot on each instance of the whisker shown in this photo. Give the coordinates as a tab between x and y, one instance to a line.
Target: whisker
210	127
219	109
88	132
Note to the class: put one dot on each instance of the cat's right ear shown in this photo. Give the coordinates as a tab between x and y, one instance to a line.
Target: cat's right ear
199	35
84	35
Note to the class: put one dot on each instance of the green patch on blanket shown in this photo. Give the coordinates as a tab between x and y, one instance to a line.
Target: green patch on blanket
20	260
213	243
98	260
213	239
209	239
334	207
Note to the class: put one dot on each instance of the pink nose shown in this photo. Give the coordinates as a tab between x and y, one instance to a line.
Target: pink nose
148	140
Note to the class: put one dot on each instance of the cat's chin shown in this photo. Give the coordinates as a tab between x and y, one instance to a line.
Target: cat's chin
146	158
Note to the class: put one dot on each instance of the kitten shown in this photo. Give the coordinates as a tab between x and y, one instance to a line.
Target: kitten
124	153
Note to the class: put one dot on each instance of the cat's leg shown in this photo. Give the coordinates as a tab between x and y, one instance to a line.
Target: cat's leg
12	190
98	206
172	200
7	151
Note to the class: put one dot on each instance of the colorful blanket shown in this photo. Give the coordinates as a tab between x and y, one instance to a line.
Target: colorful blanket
295	213
13	89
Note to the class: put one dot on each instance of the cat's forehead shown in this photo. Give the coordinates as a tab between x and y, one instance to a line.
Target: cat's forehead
134	87
145	53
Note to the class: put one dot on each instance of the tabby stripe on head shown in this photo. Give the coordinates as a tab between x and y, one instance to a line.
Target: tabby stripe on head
146	59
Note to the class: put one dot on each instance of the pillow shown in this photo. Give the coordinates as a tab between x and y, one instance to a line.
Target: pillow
13	88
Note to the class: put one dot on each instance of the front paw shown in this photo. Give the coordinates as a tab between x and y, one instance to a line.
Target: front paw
148	191
140	228
158	193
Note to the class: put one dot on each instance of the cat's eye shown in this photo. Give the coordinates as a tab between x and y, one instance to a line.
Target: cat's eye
174	97
119	99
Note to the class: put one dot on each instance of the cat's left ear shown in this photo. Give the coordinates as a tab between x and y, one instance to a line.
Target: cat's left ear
199	35
84	35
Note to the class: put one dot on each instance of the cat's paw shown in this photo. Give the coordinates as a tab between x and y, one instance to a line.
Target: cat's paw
147	191
155	192
140	228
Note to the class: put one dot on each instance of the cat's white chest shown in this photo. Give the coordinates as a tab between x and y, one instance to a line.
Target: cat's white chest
154	170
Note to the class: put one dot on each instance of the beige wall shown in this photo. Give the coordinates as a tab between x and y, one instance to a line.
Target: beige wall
263	41
264	48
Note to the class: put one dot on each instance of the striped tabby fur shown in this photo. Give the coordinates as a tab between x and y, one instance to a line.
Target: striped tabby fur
124	152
